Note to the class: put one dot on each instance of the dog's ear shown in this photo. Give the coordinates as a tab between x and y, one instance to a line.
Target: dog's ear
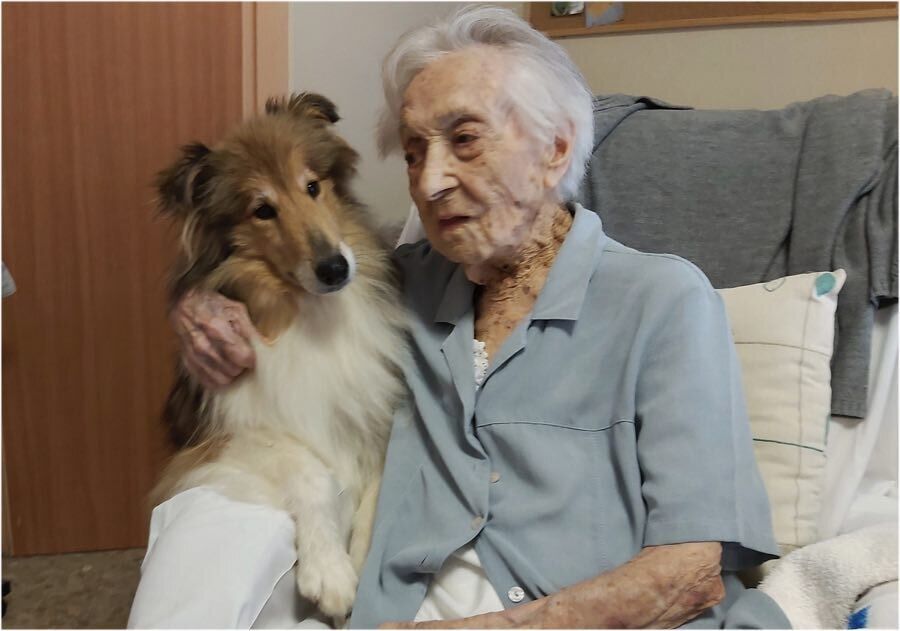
184	184
343	166
304	105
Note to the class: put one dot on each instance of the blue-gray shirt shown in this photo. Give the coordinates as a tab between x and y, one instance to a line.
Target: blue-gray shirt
612	418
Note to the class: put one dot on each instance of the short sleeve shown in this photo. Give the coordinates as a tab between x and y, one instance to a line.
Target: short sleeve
700	481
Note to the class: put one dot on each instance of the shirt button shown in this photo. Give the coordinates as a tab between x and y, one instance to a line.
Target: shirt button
476	522
495	477
516	594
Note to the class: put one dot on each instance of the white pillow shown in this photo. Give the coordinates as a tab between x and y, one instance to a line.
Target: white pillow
784	335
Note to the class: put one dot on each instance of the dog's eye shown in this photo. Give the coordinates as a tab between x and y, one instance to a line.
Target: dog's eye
265	211
313	189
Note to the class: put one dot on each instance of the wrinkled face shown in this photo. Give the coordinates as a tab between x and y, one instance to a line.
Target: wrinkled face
477	177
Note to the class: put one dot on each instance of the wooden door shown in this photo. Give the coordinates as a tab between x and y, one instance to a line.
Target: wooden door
96	99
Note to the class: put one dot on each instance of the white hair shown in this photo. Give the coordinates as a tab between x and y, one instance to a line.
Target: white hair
546	88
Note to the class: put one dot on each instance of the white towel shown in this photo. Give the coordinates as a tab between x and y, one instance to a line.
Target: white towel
817	586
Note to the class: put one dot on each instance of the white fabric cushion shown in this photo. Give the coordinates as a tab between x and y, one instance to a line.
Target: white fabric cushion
784	335
413	230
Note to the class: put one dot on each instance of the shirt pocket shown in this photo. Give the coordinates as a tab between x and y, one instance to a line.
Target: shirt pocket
558	396
566	493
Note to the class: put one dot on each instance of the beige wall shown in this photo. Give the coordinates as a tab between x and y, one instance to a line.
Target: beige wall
337	49
742	67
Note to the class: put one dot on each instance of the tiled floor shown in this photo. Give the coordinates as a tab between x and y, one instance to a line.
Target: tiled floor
71	591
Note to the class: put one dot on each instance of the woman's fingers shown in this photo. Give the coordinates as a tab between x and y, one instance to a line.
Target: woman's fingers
216	335
205	349
235	313
232	353
208	377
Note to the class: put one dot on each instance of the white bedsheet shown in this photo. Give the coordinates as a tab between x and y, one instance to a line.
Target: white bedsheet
861	470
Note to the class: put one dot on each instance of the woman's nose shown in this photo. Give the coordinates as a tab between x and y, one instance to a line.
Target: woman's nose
437	176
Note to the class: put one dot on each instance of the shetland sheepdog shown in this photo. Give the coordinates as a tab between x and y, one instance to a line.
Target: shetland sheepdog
268	219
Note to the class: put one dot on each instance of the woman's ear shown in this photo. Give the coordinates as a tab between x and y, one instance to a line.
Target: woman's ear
559	156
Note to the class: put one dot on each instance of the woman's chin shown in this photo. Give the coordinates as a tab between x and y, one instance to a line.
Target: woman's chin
461	253
457	248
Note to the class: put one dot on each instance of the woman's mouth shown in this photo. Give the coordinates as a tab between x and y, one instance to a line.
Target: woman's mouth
450	223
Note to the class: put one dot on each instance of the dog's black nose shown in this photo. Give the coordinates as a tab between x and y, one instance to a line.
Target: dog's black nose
333	271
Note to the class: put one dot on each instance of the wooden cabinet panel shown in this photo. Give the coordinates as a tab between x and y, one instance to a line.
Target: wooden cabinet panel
96	99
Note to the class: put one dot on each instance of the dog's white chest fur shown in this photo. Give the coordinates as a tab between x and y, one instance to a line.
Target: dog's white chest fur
329	381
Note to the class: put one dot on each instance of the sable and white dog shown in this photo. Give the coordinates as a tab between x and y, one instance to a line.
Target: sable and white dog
269	220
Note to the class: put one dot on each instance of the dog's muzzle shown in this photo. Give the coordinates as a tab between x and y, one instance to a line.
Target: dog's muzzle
330	274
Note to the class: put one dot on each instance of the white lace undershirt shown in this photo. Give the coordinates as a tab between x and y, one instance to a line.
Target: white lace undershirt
480	359
461	588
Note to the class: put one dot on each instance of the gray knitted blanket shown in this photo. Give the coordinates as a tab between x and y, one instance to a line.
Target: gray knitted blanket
751	195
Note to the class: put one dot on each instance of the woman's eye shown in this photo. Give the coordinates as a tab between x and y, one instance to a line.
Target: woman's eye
410	159
265	211
313	189
464	139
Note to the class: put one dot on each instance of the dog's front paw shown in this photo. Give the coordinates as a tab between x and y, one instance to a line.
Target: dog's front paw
329	580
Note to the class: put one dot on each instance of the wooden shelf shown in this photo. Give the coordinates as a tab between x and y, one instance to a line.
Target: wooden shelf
652	16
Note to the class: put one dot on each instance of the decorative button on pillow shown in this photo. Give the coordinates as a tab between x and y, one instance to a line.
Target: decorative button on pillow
784	335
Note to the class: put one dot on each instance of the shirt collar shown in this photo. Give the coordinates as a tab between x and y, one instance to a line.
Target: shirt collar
457	299
566	284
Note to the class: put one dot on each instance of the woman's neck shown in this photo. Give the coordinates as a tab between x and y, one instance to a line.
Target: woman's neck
536	252
510	288
532	259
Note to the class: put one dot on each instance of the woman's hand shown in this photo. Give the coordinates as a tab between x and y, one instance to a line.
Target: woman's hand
215	335
661	588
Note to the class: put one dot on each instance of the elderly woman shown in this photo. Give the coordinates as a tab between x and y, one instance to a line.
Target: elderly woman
597	470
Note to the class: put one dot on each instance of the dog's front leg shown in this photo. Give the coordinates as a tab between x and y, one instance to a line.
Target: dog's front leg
325	574
363	522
